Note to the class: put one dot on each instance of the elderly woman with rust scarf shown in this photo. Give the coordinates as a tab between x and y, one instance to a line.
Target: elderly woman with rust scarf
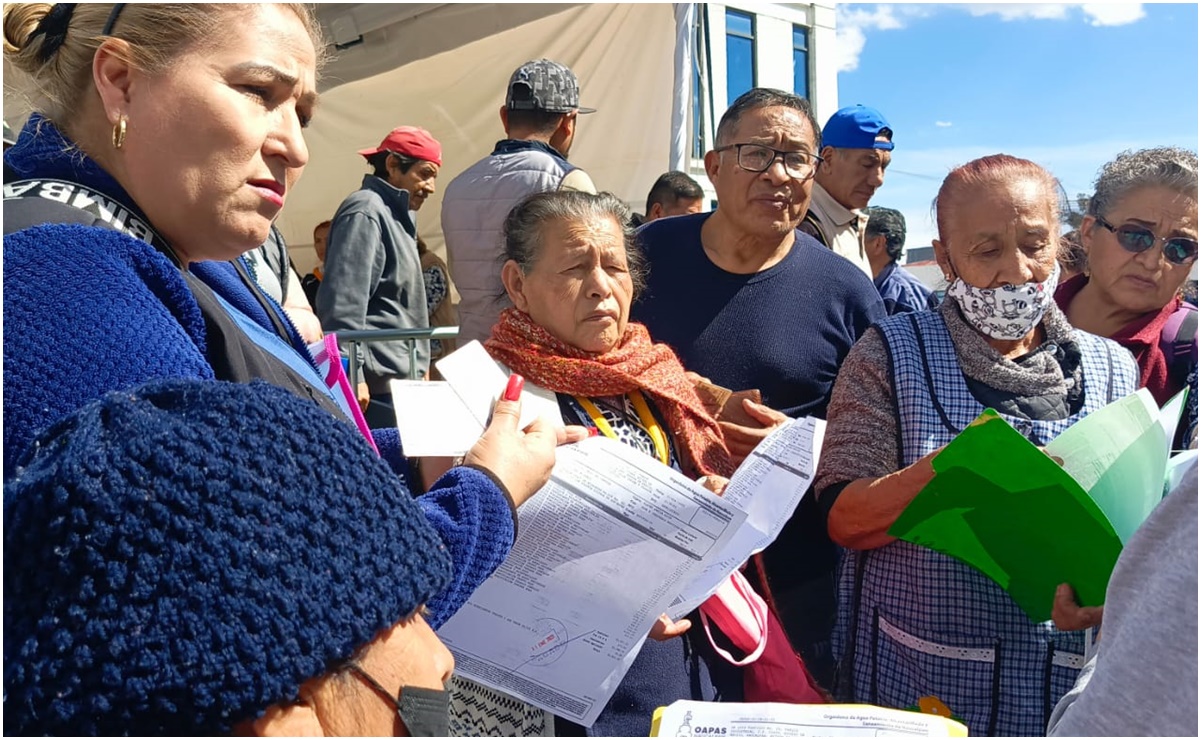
572	270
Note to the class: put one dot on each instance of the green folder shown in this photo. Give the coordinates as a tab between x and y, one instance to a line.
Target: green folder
1031	520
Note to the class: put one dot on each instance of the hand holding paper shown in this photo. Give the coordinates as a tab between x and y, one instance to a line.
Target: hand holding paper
520	459
742	439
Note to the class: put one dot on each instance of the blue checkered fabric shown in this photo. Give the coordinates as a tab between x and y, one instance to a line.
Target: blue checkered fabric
928	625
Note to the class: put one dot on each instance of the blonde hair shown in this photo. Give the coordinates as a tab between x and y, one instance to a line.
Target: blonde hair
157	34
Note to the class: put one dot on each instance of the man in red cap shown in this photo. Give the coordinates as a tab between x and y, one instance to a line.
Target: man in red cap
372	266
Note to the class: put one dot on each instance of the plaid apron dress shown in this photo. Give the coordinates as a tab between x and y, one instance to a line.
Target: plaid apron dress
914	623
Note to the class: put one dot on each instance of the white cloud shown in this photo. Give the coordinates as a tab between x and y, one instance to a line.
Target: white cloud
943	124
1019	11
853	25
1097	14
1116	14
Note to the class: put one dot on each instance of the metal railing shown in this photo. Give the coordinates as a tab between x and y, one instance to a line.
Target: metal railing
349	342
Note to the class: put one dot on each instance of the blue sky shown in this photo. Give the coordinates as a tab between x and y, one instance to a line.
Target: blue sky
1066	85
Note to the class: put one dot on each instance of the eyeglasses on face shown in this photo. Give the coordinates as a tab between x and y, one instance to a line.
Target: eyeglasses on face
758	158
1178	250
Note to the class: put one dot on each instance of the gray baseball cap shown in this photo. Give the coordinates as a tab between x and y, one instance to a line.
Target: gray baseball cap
546	86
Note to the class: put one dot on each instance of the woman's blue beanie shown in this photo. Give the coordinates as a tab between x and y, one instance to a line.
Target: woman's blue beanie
180	557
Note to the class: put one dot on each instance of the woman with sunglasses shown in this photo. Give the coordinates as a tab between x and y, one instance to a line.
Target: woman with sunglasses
1141	238
917	628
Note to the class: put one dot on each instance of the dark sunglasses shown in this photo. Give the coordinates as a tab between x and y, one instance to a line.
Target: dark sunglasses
1178	250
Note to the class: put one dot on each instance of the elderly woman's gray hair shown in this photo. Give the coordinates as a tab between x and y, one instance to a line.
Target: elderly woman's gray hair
524	226
1164	166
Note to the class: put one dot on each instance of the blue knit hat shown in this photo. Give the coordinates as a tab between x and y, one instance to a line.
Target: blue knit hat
180	557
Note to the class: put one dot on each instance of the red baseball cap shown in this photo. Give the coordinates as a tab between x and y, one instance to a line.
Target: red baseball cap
411	141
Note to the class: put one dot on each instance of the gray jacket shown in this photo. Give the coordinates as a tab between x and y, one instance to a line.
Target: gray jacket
1143	680
373	279
474	208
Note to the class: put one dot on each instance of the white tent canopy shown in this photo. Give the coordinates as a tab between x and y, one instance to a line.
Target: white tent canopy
445	67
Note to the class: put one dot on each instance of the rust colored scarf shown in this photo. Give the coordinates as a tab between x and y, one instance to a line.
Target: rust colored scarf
636	364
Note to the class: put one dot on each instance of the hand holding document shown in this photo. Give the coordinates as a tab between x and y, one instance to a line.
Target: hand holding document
1006	508
603	550
600	553
613	541
711	719
445	418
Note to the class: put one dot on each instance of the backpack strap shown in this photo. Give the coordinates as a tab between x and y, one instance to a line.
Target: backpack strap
812	226
231	350
1178	341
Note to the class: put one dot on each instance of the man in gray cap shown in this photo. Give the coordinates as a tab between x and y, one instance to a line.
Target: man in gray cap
539	117
856	149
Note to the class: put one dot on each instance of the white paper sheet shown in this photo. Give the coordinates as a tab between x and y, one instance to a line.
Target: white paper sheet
445	418
768	486
714	719
479	380
600	553
432	419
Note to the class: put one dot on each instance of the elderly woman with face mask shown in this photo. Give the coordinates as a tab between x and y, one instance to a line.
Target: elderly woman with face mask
917	628
1140	235
168	141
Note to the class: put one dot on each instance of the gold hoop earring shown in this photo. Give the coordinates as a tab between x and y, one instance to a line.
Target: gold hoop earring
119	134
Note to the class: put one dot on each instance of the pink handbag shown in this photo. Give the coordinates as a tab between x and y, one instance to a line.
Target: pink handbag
772	671
741	615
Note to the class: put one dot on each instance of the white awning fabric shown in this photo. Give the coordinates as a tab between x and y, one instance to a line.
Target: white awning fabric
445	66
621	53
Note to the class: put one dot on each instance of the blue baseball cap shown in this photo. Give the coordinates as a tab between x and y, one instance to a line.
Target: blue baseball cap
856	127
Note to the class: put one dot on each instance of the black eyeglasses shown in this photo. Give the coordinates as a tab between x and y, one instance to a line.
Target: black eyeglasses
757	158
1178	250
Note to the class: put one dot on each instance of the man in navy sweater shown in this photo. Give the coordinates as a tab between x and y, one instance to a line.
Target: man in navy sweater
749	302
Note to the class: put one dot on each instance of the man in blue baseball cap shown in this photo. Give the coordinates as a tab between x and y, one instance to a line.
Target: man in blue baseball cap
856	149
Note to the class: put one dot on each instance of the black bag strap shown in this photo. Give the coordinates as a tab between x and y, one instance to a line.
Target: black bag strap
232	355
46	200
814	228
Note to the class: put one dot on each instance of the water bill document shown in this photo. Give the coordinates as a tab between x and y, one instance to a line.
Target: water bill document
601	551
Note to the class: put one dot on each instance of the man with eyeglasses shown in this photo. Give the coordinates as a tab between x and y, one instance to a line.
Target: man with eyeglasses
856	149
749	302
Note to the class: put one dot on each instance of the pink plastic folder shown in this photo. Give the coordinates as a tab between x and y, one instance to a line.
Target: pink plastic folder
329	365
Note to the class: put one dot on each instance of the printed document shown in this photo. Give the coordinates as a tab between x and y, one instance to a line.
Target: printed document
768	486
711	719
601	552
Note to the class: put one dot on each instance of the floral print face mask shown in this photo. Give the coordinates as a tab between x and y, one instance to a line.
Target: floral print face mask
1009	312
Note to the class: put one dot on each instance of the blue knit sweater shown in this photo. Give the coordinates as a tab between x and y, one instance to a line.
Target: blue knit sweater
89	310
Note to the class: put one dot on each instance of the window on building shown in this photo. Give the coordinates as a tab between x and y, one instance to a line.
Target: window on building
740	53
800	61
